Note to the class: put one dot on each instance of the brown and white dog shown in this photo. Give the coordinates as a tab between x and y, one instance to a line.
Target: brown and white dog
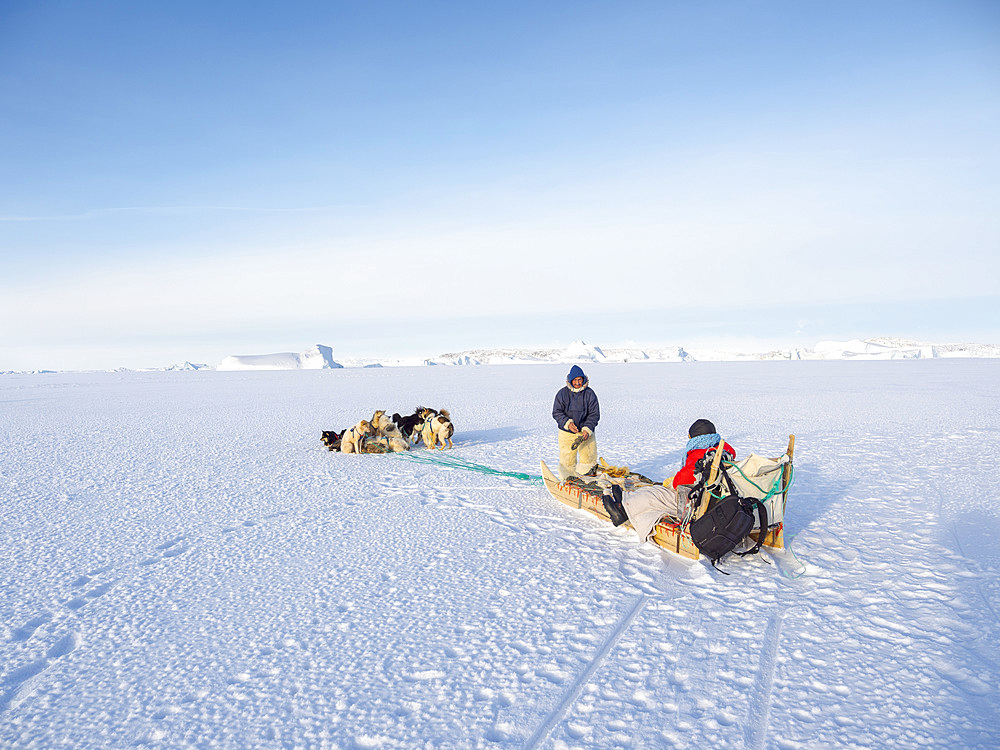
438	428
387	434
353	440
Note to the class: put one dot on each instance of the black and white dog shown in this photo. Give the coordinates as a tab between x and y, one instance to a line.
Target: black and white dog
411	425
331	439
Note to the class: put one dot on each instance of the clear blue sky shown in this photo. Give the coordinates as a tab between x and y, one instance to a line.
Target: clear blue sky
187	180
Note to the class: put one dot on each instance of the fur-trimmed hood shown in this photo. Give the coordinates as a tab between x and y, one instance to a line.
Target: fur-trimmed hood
576	372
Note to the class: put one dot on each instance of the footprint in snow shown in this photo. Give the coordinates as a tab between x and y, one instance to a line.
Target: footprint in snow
65	645
78	602
170	548
20	684
86	578
27	630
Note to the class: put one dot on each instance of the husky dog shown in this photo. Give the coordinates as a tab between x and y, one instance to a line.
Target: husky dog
438	429
331	439
411	425
387	434
353	440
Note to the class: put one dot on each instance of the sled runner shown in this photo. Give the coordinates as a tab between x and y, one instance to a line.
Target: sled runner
764	479
577	492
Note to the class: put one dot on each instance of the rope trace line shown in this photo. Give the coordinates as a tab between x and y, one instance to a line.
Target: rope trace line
456	462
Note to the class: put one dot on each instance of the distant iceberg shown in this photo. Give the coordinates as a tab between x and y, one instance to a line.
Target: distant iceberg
320	357
187	366
581	351
317	357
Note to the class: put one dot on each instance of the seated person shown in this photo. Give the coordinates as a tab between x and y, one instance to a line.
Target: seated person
645	506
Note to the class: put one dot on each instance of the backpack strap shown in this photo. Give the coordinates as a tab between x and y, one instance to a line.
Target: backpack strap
762	517
716	566
729	482
707	480
748	505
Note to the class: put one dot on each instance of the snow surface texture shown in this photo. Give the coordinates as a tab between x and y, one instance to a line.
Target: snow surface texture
182	564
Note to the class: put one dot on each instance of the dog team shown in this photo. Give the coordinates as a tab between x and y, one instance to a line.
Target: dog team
382	434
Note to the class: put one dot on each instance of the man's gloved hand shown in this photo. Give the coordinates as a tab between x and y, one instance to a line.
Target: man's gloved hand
585	434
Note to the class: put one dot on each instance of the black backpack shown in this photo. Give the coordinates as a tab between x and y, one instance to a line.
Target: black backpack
726	523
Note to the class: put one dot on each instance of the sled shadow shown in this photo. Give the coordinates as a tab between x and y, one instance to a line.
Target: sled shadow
810	497
969	534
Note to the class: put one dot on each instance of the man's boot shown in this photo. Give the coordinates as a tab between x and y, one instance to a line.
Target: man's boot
613	505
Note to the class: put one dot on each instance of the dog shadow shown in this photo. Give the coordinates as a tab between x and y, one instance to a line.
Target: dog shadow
492	435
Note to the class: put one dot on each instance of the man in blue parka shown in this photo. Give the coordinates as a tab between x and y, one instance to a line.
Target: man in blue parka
577	412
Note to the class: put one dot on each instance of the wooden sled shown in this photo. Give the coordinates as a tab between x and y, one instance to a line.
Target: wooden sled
578	493
669	533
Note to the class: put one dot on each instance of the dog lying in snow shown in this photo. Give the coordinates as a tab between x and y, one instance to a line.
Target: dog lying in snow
331	439
412	425
438	429
353	440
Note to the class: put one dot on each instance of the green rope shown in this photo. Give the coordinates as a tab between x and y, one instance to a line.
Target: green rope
455	462
775	488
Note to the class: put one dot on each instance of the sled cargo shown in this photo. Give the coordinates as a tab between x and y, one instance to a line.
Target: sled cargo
754	476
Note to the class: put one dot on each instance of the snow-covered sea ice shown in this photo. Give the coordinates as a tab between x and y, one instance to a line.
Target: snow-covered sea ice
182	564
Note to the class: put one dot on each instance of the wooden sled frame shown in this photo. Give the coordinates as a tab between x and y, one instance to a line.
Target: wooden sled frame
668	534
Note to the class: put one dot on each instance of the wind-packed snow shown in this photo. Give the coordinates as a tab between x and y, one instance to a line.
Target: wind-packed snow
182	564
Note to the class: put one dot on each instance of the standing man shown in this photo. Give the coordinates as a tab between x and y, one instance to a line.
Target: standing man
576	412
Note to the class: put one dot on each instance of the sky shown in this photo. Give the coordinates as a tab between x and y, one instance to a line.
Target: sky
185	181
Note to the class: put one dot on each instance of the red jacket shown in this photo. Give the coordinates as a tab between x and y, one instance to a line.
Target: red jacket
686	474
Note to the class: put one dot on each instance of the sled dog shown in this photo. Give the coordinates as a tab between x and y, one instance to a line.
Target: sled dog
438	429
412	425
388	434
353	440
331	439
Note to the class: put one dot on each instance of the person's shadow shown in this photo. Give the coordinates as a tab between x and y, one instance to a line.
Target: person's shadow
492	435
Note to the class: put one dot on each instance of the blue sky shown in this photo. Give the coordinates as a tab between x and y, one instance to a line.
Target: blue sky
183	181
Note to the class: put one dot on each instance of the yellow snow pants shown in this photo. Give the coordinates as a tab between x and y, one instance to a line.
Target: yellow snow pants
578	461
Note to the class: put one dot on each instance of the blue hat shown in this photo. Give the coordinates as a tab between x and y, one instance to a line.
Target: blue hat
575	372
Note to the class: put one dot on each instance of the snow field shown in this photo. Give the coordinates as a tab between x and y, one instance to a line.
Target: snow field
182	564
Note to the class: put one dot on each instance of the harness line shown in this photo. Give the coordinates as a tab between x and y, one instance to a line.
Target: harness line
455	462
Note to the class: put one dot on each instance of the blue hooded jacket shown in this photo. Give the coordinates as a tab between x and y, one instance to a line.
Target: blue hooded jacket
580	405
